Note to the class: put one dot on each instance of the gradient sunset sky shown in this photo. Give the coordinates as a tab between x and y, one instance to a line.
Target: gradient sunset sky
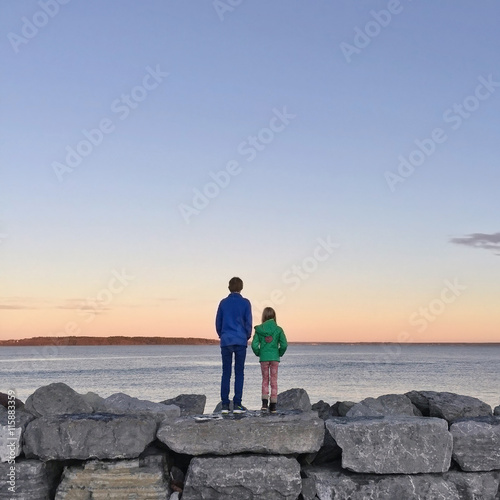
341	157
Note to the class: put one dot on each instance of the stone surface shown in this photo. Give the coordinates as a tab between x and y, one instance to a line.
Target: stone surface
392	445
340	408
496	411
97	403
190	404
323	409
123	403
56	399
34	480
243	477
448	405
294	399
388	405
328	483
476	444
140	478
99	435
252	432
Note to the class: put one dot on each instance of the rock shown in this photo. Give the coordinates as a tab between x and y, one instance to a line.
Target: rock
448	405
392	445
81	437
323	409
34	480
56	399
340	408
257	477
476	443
12	425
138	478
274	434
396	405
5	399
97	403
294	399
122	403
333	482
329	452
190	404
496	411
177	478
126	404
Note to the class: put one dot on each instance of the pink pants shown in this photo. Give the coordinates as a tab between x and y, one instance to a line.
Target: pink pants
269	371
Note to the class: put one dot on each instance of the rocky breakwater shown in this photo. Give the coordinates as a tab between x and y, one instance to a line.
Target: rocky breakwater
414	446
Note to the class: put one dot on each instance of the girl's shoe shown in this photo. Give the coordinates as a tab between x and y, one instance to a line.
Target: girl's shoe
272	407
264	405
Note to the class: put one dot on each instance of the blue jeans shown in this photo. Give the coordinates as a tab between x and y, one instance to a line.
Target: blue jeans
240	353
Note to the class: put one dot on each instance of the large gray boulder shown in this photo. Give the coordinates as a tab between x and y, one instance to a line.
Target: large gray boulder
476	444
123	403
279	434
328	483
294	399
496	411
397	405
392	445
56	399
190	404
143	477
81	437
32	480
256	477
323	409
448	405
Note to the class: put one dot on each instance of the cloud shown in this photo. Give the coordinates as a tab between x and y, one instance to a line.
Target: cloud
480	240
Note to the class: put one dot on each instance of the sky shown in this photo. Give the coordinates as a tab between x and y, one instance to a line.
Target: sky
341	157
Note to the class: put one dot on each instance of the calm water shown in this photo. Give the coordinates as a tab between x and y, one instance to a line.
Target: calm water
330	373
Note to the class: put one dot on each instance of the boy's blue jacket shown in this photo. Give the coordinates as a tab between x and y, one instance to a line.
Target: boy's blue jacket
233	321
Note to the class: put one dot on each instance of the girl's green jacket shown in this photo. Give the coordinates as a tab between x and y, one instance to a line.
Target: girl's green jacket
269	341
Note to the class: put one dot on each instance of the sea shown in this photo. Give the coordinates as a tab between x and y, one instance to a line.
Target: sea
335	372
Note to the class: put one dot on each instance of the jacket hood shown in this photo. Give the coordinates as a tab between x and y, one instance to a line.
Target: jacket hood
267	328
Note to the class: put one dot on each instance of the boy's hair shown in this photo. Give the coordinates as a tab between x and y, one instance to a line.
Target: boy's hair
268	313
235	285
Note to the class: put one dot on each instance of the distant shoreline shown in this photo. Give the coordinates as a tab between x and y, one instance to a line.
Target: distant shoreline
123	340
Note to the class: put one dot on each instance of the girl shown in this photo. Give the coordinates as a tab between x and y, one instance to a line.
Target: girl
269	343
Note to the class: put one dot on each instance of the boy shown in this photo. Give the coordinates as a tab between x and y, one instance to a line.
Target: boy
233	324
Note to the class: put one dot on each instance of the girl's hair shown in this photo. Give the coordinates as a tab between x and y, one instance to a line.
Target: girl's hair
268	313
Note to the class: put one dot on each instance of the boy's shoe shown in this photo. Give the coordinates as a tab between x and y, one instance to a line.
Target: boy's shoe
264	405
272	407
225	409
239	409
